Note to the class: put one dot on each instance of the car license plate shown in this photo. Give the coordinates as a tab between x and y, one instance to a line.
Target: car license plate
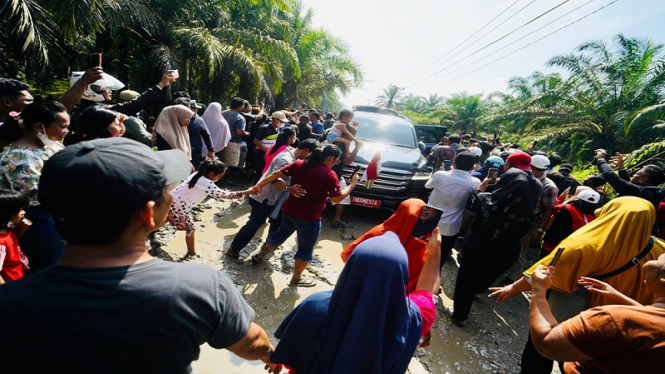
363	201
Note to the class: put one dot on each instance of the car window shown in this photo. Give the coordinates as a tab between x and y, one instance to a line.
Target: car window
429	134
385	130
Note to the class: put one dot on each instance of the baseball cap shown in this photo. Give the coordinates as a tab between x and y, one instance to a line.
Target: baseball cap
521	160
193	104
100	181
495	162
476	151
589	196
540	162
566	167
279	116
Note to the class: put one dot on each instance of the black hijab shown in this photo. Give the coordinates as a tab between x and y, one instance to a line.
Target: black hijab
508	210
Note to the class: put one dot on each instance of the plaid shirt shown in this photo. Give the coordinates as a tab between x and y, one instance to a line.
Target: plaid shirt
549	195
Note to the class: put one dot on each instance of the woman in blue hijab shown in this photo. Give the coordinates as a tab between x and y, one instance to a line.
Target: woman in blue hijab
367	324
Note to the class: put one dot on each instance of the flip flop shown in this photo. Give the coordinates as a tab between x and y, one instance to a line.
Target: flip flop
459	323
303	282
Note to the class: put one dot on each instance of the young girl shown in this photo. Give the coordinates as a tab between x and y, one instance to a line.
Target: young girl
339	129
12	225
192	191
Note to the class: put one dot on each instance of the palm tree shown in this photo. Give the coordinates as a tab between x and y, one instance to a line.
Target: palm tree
598	104
324	65
465	112
391	96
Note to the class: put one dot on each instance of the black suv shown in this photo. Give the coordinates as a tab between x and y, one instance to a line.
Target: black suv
404	169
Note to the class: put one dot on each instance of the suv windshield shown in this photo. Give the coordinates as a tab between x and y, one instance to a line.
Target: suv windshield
386	130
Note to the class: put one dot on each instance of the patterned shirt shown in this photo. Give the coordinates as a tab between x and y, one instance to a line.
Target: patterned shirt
21	167
549	195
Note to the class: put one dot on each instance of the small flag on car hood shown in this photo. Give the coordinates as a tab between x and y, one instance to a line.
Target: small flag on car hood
373	170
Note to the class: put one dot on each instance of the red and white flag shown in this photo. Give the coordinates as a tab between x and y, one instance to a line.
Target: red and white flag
373	170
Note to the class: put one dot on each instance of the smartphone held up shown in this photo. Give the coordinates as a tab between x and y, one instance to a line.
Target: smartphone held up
95	60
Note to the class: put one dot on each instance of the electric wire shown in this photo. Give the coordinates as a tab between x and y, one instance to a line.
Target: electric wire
465	40
532	43
513	42
492	43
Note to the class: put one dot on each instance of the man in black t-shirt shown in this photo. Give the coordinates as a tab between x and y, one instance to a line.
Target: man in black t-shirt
108	306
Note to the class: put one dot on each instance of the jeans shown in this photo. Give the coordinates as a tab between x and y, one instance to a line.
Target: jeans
257	218
308	235
41	243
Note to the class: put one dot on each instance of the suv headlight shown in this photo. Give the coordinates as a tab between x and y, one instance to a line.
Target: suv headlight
421	175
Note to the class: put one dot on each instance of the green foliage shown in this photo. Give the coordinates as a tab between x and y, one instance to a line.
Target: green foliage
252	48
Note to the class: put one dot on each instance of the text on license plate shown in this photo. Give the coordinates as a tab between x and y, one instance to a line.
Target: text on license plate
363	201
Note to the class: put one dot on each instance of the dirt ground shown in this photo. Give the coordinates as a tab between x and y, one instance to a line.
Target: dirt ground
493	339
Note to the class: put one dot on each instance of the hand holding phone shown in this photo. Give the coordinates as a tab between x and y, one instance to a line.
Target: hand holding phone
493	174
573	187
356	170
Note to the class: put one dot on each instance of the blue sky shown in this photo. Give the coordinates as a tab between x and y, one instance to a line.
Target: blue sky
395	39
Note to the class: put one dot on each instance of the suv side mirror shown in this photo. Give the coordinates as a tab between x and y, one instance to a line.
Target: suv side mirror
422	146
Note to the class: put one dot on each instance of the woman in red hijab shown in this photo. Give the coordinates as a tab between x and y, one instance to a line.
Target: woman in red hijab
402	222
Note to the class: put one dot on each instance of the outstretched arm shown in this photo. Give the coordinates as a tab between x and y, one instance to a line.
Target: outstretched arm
546	333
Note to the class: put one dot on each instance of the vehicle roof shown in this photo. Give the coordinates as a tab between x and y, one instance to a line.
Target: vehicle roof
381	117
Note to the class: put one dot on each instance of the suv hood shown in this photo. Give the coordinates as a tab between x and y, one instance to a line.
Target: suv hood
392	156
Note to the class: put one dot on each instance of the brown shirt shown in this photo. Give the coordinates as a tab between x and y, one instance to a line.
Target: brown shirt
622	339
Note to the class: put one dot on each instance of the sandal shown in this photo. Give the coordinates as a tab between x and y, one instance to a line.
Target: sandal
459	323
233	255
303	282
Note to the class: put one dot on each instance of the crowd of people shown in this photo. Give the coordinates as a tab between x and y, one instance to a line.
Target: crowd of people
85	180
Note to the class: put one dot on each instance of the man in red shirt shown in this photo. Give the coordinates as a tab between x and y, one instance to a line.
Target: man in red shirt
12	260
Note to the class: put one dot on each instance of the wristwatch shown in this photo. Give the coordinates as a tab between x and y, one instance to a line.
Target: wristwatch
286	187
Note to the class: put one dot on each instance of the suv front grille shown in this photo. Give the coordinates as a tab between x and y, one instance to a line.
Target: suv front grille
392	180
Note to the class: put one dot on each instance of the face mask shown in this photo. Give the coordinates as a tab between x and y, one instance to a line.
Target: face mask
45	139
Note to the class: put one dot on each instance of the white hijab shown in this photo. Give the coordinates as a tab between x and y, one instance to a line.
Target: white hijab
169	126
218	127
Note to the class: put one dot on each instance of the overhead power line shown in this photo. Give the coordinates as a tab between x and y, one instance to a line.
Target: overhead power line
493	42
513	42
532	43
467	39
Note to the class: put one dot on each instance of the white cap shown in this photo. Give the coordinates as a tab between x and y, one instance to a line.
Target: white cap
540	162
476	151
589	196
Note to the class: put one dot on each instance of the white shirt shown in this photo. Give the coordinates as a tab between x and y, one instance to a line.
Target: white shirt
451	190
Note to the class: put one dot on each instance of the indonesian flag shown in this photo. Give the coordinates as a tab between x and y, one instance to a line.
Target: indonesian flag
373	170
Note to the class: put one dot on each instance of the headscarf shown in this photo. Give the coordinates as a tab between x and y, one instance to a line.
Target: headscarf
508	210
620	232
169	126
365	325
218	127
402	222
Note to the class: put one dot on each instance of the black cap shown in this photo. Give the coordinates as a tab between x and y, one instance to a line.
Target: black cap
103	180
566	167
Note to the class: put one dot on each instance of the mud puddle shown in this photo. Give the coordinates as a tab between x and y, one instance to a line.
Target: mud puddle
492	341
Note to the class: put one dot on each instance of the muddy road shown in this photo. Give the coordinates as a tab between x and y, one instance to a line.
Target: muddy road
493	340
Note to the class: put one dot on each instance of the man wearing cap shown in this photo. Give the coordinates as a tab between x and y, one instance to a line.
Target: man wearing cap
547	201
522	160
108	306
265	138
565	170
135	129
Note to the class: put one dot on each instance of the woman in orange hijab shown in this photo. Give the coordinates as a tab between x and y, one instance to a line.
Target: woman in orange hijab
402	222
